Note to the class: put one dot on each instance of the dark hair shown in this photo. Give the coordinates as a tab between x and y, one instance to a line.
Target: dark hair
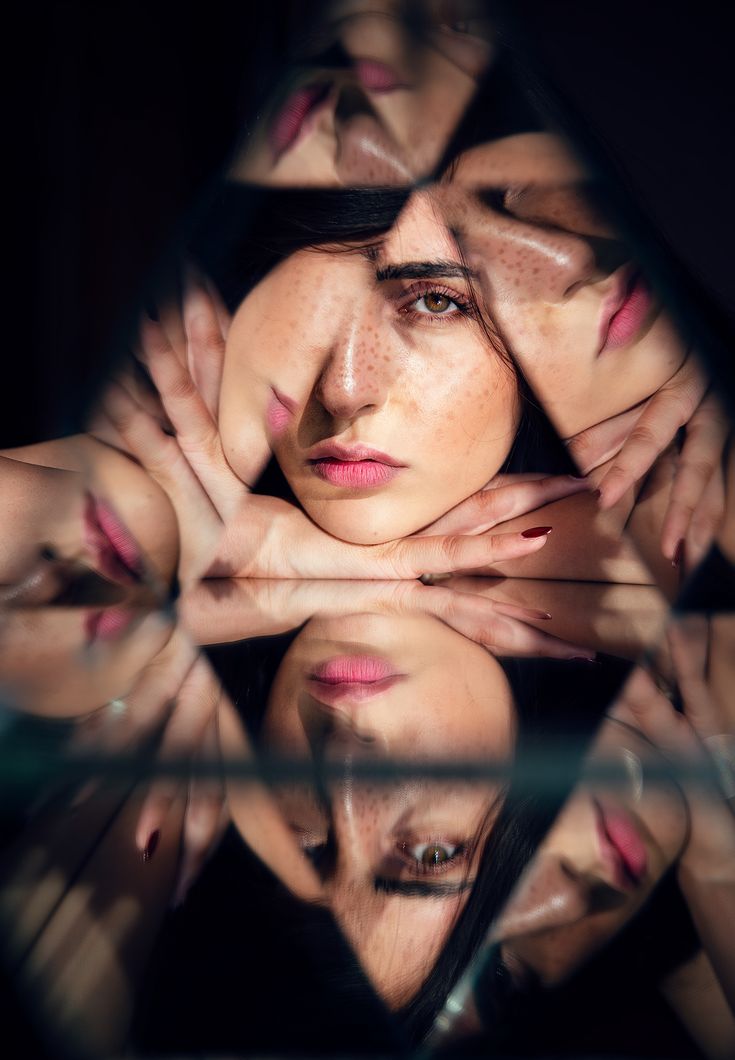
557	703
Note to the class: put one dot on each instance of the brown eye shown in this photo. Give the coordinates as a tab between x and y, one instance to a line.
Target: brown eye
436	302
431	855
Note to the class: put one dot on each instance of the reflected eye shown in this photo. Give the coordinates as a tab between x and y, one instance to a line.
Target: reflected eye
431	855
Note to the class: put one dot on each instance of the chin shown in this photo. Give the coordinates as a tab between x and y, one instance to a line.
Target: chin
370	521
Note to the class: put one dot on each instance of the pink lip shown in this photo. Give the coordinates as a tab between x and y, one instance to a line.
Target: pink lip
113	548
375	76
353	466
280	410
291	120
622	846
107	624
625	310
352	678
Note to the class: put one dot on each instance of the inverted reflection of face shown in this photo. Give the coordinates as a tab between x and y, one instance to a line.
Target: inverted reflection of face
388	403
596	868
573	308
384	117
397	860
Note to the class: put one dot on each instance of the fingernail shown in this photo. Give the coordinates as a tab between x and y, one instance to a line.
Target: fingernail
577	478
539	614
537	531
678	554
150	847
584	658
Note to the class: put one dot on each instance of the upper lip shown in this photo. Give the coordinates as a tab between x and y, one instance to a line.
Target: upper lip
289	119
352	454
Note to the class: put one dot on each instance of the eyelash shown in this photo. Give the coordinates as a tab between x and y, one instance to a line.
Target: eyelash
414	294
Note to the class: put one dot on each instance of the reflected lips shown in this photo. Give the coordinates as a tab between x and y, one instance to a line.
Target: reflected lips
625	311
116	554
290	120
352	677
354	467
107	624
622	846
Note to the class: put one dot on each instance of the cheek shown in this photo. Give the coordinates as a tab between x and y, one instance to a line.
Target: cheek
477	411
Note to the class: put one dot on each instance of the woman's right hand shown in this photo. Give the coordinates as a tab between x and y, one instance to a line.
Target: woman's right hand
227	531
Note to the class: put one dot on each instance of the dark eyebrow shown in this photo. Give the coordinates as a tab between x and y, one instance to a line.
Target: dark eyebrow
420	888
424	270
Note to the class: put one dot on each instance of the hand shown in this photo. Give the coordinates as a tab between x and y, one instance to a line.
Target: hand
221	612
636	438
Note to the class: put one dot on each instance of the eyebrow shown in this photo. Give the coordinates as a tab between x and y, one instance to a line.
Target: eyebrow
424	270
420	888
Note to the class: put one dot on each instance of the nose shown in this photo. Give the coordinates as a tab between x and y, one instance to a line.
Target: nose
357	375
519	261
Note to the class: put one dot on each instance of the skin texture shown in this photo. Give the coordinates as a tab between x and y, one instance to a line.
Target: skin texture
569	903
364	361
383	831
367	132
50	663
549	263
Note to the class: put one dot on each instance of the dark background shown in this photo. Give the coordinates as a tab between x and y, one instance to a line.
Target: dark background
126	112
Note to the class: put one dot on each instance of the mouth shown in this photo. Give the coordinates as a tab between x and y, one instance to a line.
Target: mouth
376	76
621	846
352	678
354	467
625	311
295	117
107	624
112	547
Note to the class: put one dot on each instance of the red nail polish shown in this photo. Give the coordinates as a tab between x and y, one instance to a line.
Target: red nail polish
536	531
541	614
678	554
150	847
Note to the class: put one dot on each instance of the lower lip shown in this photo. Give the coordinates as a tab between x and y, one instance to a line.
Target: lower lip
618	834
354	474
628	320
291	120
108	624
375	76
352	678
117	555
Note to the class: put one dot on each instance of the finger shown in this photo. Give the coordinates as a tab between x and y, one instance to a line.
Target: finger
706	521
688	640
700	456
643	706
224	317
196	432
601	442
439	555
205	818
483	622
195	705
161	456
488	507
171	321
205	345
668	410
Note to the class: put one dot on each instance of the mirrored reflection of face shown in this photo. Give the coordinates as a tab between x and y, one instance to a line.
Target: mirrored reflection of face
387	403
92	507
595	870
572	307
398	859
387	113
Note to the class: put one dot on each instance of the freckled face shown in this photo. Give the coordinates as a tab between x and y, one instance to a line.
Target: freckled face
386	401
553	275
373	839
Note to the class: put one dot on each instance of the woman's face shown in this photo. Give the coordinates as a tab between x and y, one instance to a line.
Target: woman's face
79	594
596	868
386	116
397	860
571	306
386	402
